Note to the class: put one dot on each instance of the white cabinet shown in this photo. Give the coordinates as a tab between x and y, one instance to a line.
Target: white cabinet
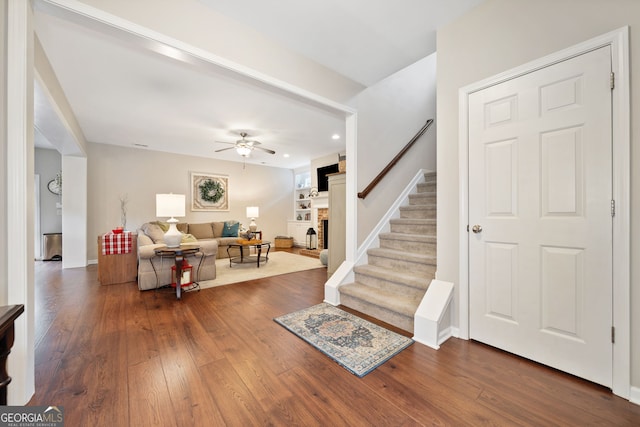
298	230
337	221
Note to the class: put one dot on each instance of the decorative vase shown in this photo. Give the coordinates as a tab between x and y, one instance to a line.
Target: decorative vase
342	163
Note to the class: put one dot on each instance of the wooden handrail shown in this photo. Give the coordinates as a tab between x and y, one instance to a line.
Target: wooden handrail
364	193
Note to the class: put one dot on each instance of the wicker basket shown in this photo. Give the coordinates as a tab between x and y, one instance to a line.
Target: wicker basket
284	242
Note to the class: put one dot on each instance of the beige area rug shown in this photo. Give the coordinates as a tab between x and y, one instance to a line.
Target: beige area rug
279	263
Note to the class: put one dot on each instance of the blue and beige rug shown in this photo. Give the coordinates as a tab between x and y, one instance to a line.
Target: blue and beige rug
357	345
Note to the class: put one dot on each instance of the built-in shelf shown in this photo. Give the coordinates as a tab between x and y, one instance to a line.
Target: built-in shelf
302	184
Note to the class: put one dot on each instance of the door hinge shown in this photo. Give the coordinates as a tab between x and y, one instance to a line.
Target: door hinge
613	207
612	80
613	334
467	228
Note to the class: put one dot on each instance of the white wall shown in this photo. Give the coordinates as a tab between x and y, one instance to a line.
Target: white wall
48	163
141	174
502	34
74	208
390	113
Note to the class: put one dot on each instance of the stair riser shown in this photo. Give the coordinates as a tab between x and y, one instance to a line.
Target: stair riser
424	213
426	229
422	199
396	319
414	247
401	265
427	187
397	288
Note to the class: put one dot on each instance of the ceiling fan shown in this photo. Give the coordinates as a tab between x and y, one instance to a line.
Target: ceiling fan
244	146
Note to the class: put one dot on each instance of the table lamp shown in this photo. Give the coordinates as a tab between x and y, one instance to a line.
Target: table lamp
171	205
253	212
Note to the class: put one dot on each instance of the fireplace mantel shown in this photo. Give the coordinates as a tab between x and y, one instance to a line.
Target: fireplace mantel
321	201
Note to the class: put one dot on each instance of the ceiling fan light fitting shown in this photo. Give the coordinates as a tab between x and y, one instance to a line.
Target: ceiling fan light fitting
244	151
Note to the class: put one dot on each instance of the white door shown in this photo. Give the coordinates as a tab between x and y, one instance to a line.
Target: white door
540	188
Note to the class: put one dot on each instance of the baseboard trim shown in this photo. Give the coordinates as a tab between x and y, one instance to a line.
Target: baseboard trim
92	261
634	395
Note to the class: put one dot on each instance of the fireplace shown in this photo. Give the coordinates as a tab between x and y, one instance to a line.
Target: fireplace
323	228
325	234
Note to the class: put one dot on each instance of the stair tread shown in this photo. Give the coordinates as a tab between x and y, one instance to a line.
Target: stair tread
418	207
422	238
418	281
419	221
403	255
388	300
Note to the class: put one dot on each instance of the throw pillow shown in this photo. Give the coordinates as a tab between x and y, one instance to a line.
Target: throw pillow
188	238
201	231
218	228
163	225
154	232
230	229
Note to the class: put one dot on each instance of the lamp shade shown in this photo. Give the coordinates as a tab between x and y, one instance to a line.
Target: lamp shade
253	212
170	205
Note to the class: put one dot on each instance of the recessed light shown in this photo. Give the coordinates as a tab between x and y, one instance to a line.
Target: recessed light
335	136
286	155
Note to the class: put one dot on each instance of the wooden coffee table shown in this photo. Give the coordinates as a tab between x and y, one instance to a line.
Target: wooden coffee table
249	259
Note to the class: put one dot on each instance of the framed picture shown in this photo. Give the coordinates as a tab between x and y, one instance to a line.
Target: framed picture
209	192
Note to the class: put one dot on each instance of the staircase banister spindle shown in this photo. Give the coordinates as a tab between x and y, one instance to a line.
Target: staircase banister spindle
394	161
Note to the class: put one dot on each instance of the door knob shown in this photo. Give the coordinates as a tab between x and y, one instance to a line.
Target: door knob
477	228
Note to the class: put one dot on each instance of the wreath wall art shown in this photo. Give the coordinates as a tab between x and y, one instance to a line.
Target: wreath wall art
209	192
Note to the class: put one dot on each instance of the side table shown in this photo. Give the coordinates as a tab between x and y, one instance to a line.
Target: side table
178	254
118	268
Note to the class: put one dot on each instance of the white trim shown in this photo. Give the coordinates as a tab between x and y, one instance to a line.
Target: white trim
19	191
634	395
619	42
432	320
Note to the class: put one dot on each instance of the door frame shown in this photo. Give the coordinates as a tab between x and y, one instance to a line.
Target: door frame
621	140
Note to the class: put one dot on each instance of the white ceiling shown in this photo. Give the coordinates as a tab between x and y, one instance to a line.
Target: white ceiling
124	94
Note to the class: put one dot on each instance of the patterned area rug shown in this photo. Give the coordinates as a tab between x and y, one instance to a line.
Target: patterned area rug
357	345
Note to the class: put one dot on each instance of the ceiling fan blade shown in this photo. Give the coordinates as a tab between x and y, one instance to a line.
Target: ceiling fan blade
225	149
266	149
251	142
224	142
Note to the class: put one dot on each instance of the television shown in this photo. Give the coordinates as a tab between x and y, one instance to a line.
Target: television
323	183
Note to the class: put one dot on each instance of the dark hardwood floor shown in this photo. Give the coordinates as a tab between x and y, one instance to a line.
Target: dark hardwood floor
115	356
